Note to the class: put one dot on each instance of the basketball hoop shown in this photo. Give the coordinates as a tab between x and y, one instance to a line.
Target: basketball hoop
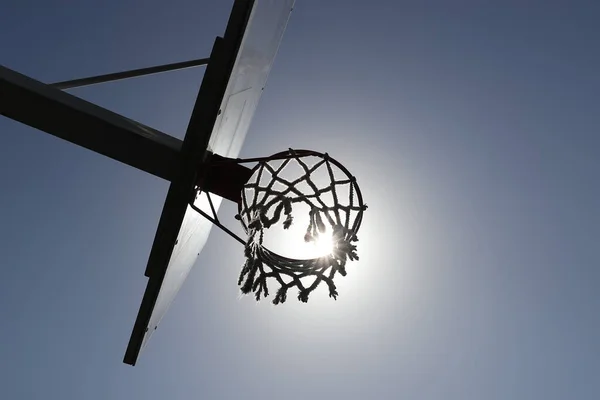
278	188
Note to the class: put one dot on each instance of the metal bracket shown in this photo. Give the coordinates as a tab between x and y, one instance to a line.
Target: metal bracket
215	219
223	176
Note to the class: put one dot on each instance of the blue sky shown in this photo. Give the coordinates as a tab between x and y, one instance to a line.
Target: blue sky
472	127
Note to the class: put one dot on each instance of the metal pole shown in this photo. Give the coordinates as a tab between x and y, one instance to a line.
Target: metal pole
93	80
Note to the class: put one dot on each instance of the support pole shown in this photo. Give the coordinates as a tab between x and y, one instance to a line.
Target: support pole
87	125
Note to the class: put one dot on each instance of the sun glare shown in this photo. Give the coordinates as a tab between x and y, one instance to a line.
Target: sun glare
320	247
290	243
323	245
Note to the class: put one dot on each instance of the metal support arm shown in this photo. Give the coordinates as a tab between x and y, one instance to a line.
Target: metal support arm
85	124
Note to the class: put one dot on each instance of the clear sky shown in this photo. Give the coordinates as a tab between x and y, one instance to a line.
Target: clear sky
473	128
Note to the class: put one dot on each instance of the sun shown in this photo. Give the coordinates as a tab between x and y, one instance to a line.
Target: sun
323	245
290	243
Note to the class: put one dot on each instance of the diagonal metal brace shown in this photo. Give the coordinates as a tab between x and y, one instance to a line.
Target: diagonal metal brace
117	76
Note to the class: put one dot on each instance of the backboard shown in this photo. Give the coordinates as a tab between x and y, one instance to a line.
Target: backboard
233	82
